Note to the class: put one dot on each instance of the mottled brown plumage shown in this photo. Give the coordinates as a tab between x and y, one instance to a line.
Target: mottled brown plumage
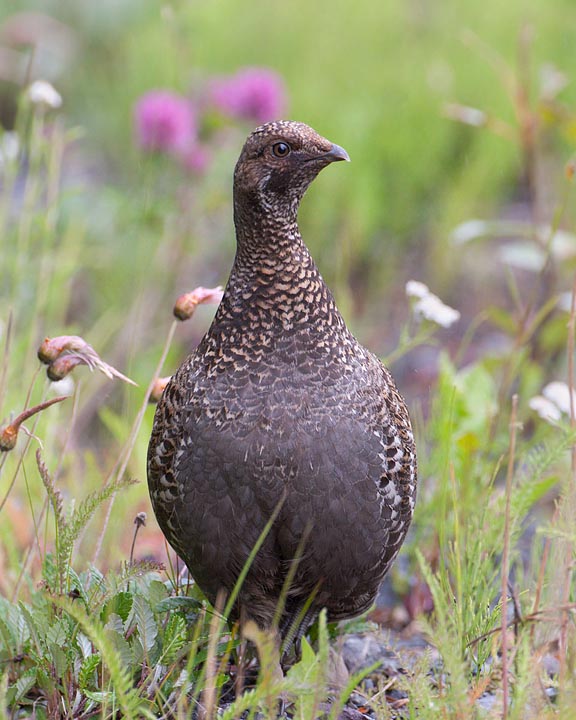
281	404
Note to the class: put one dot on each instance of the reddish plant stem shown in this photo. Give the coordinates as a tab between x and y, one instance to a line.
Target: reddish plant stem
506	555
570	499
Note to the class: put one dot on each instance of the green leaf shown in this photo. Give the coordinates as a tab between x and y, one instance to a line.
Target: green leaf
3	694
157	592
145	621
86	509
127	698
119	604
6	637
115	624
58	633
86	674
101	696
305	669
84	645
97	580
24	684
30	621
179	602
58	658
77	583
50	571
123	648
174	637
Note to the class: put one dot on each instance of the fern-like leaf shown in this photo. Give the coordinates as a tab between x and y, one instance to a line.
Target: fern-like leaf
86	509
143	618
131	705
55	498
87	672
174	638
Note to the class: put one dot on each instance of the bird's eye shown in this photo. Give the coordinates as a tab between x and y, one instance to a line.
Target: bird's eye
281	149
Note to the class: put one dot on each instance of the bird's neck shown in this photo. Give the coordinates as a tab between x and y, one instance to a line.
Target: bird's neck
274	279
268	239
258	224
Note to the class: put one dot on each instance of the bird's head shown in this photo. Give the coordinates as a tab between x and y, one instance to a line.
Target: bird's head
277	164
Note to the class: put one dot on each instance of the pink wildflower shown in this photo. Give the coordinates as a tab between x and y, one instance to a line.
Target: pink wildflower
253	93
165	122
196	159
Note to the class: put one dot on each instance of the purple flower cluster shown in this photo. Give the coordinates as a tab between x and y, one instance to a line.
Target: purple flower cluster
166	122
251	94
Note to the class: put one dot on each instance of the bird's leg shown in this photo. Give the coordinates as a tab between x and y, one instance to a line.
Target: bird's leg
296	623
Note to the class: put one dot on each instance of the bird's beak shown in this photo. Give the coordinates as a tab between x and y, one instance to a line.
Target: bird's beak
337	153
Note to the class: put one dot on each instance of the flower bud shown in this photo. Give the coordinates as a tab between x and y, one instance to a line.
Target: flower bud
158	389
187	303
9	432
62	366
8	437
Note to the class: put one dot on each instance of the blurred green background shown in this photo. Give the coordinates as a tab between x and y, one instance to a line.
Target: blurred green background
372	76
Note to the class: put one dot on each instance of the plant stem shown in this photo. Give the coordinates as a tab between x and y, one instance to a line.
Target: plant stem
569	503
122	465
506	555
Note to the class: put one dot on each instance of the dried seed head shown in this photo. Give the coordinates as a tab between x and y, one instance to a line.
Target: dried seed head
9	432
61	366
140	519
158	389
187	303
65	352
8	437
47	352
52	348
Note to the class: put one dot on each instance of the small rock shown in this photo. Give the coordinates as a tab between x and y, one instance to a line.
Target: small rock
552	693
486	702
357	699
361	651
349	713
551	665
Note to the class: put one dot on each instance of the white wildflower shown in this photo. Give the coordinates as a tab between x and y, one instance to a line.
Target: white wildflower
565	302
552	81
415	288
559	394
466	114
523	255
62	387
554	402
9	147
430	306
43	93
470	230
545	408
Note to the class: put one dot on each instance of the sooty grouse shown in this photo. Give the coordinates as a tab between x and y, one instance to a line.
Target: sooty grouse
280	406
